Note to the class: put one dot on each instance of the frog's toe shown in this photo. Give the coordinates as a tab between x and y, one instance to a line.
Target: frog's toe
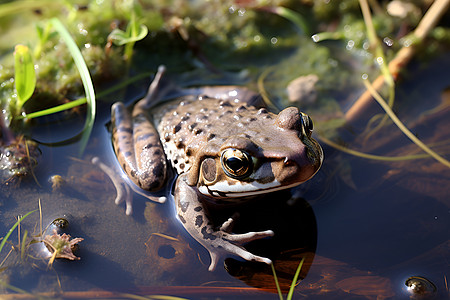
243	238
122	189
214	261
251	257
231	244
128	205
239	251
229	248
227	226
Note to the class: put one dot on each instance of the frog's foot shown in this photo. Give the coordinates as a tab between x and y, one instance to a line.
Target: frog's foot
223	243
158	89
220	242
146	194
123	188
228	225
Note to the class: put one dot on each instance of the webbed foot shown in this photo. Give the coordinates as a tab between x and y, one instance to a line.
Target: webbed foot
123	187
225	243
195	220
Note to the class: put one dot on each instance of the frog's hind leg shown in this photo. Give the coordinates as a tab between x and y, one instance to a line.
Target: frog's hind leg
138	148
158	90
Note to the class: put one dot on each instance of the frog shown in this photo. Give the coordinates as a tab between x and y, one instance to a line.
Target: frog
224	147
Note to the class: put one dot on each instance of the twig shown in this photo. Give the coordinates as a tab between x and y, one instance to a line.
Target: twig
403	56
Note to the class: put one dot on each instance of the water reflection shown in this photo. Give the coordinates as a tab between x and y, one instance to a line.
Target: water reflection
294	224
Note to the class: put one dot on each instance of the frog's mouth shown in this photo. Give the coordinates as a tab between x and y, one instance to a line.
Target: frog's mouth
243	189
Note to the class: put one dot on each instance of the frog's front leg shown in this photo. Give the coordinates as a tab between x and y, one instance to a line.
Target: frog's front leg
218	242
138	148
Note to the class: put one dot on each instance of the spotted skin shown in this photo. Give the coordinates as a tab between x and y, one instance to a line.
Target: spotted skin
225	148
140	153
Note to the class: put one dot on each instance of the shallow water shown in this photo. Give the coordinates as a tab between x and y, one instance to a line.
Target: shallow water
365	227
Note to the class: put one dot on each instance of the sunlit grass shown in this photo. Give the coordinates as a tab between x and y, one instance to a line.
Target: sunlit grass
381	61
290	294
85	78
11	230
25	80
135	32
24	77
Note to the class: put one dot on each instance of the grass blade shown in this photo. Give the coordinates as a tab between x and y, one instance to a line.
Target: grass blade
56	109
22	247
400	125
12	229
85	78
276	282
294	281
294	17
24	75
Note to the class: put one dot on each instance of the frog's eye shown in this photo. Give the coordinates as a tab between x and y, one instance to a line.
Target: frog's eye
236	163
307	124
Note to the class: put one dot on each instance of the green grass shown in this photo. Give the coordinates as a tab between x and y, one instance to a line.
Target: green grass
294	17
25	81
5	238
290	294
24	77
85	78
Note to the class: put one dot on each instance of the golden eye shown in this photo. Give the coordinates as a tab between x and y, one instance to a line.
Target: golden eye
236	163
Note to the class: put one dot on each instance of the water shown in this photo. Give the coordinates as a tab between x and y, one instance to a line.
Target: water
364	227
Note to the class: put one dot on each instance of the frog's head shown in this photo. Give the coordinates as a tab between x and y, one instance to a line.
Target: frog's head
275	153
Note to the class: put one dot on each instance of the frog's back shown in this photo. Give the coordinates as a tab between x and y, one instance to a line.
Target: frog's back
189	123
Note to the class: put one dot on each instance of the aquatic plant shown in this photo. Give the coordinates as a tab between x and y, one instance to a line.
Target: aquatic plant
61	246
11	230
85	78
25	81
24	77
18	157
134	32
389	72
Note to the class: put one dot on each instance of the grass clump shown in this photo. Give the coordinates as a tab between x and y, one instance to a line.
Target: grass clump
11	230
290	294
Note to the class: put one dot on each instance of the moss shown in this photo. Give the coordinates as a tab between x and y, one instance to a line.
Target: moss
213	34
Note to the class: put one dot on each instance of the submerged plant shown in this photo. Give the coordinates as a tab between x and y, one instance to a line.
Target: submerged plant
19	157
389	74
11	230
61	246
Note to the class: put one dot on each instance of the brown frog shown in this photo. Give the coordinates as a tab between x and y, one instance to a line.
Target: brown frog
224	149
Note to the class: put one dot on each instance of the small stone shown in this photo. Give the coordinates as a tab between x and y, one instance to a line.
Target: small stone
303	89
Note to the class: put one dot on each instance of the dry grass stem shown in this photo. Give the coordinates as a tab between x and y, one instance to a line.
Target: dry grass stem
403	56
